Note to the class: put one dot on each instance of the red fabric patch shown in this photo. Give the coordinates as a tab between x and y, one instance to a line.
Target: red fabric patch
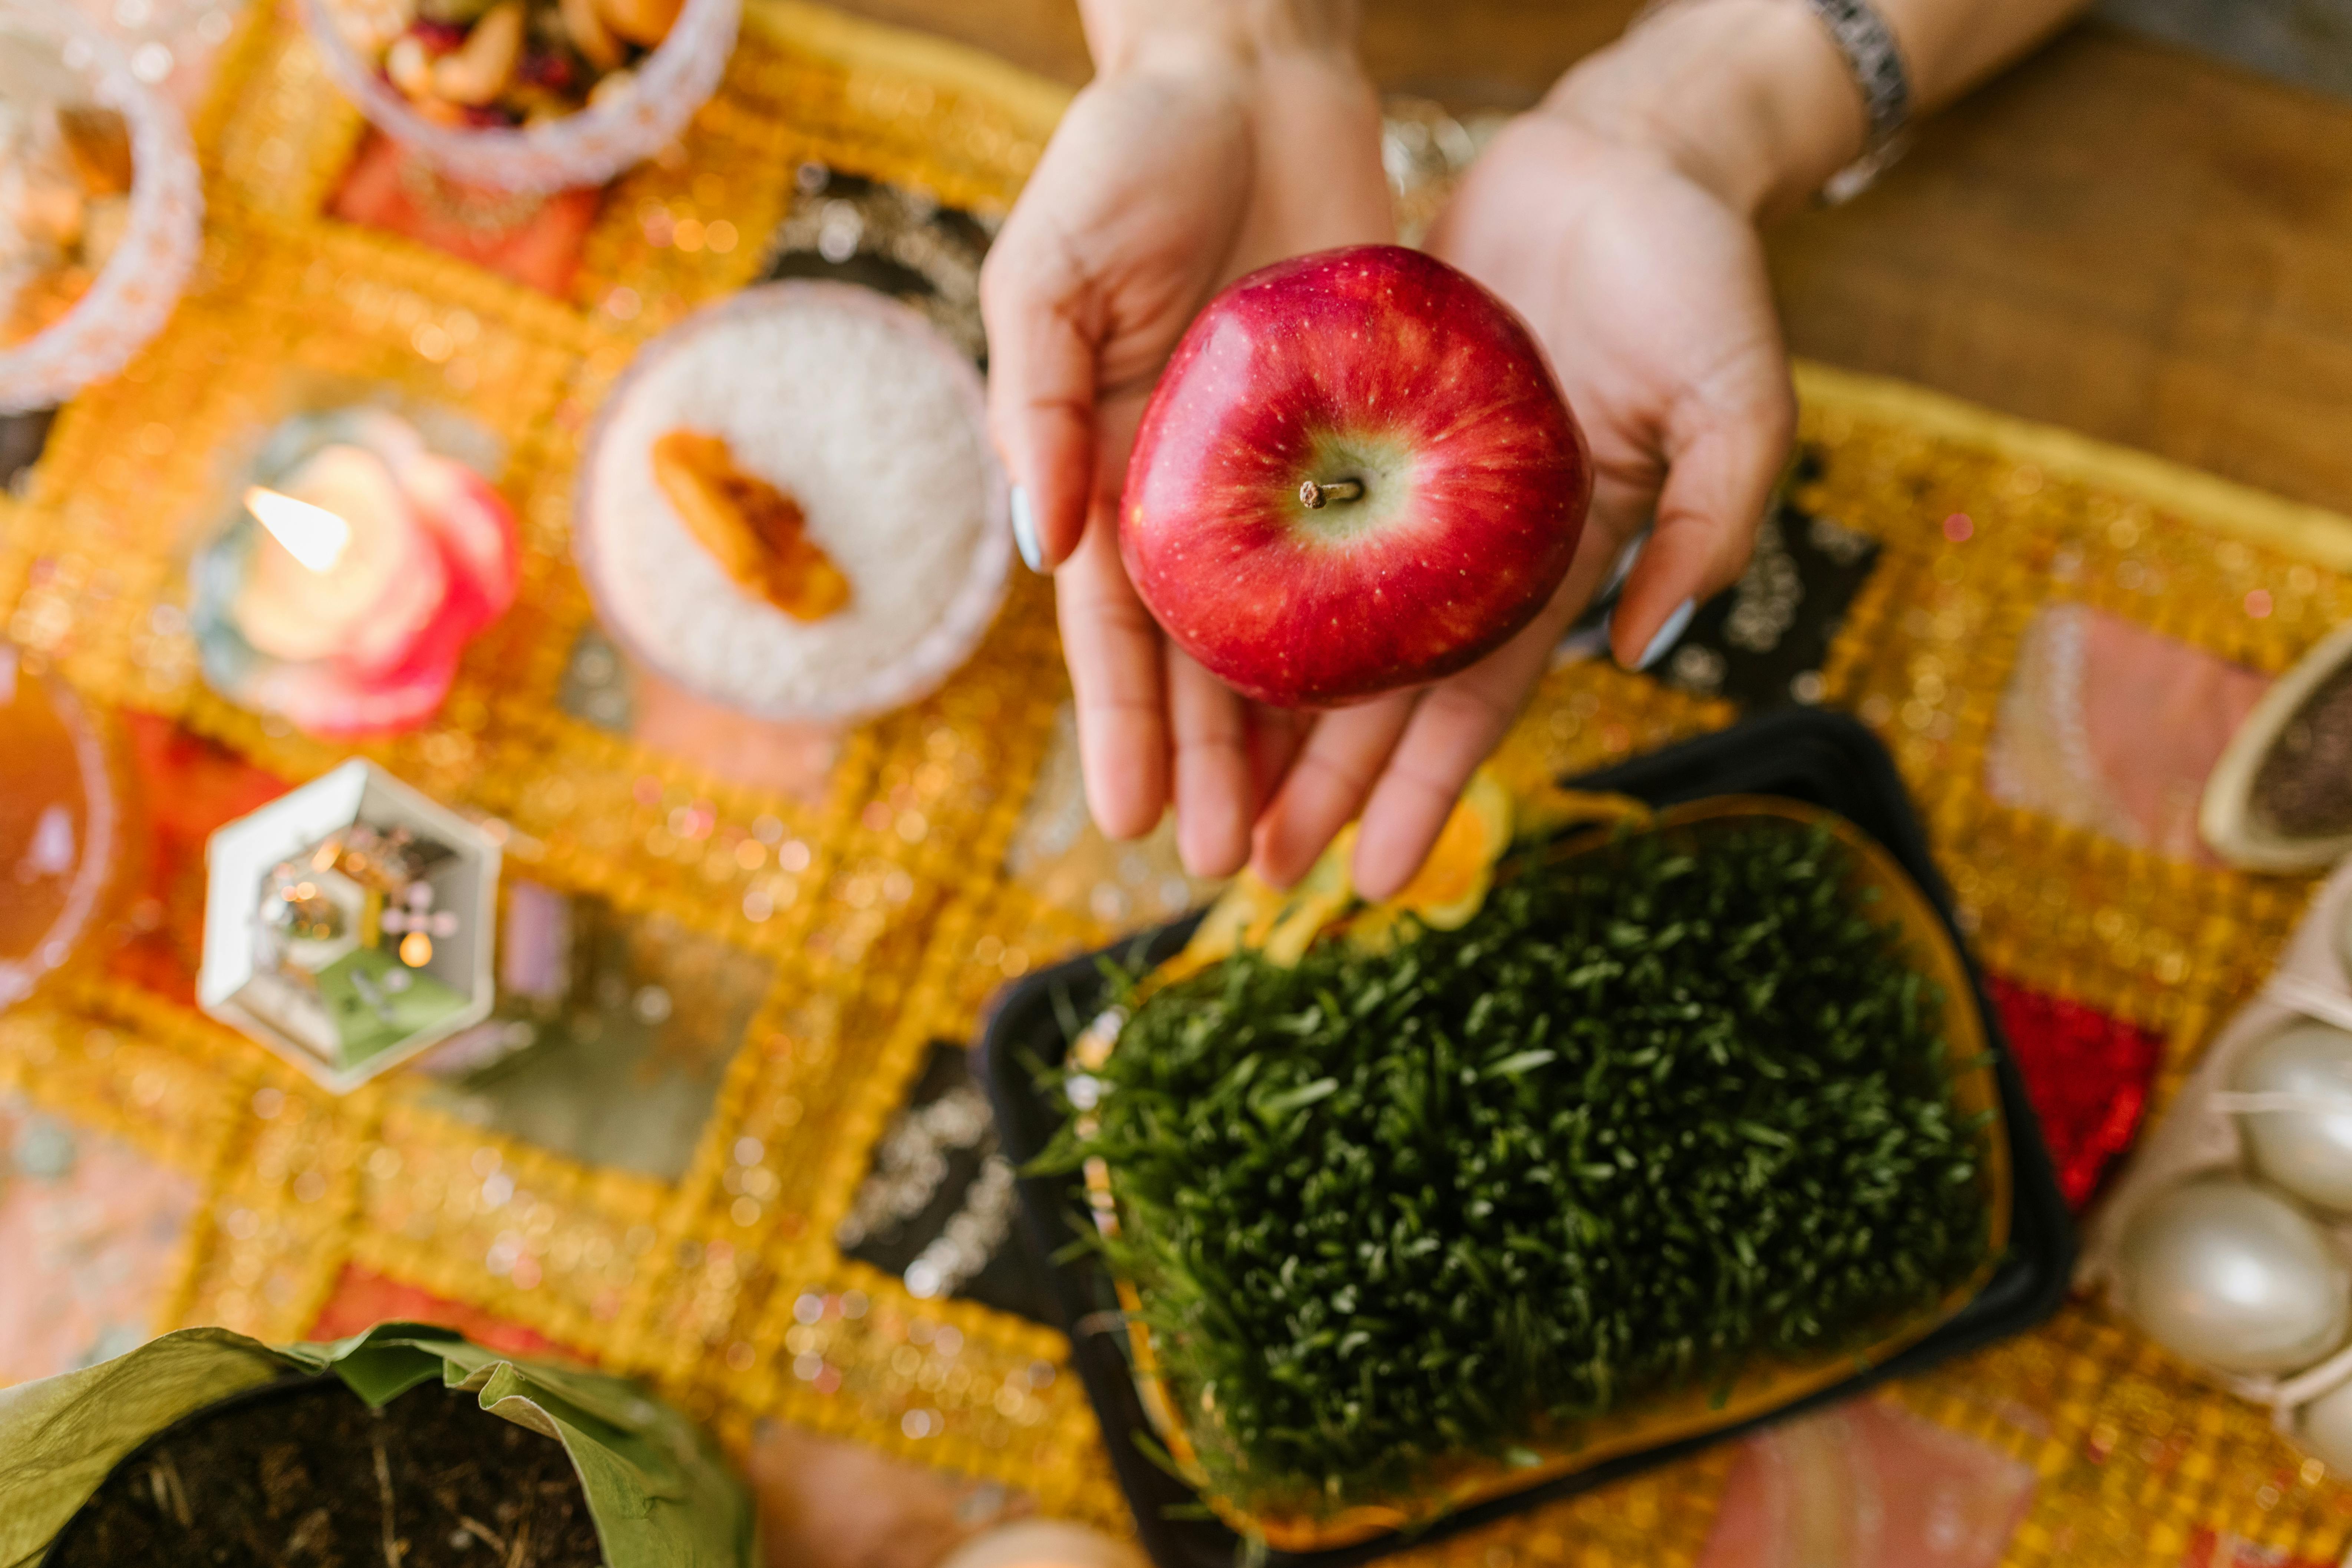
184	786
2087	1074
2207	1549
363	1299
536	242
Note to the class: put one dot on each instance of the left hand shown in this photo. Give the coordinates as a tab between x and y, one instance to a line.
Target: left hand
1196	156
1649	292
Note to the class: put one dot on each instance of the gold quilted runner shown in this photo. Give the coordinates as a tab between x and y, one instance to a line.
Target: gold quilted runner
832	935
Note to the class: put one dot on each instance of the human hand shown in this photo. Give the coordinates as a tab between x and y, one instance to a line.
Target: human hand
1625	238
1649	293
1209	145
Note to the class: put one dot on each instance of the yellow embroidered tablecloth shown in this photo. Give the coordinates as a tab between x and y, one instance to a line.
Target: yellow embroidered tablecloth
878	914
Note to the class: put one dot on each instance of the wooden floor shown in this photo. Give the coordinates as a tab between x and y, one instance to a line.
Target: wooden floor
2119	237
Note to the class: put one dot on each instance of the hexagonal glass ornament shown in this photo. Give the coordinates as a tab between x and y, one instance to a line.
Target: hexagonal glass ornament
348	925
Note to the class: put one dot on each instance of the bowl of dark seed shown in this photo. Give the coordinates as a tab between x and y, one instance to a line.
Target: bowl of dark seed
2279	799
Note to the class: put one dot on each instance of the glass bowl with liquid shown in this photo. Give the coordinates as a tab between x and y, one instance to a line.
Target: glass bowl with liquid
62	827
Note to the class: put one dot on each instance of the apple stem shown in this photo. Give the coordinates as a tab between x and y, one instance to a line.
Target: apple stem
1314	497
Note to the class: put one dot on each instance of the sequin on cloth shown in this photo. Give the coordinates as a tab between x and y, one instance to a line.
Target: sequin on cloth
1868	1484
364	1298
2088	1076
885	881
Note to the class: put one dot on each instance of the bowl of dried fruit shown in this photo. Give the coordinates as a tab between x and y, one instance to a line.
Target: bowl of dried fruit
100	205
1638	1119
526	95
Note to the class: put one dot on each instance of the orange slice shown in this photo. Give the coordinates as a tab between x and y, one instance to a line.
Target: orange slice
1449	889
1452	881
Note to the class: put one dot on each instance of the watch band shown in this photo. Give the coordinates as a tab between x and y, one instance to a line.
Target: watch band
1875	60
1871	53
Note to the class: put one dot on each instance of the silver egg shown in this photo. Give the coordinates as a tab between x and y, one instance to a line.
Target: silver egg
2325	1426
2308	1153
2223	1272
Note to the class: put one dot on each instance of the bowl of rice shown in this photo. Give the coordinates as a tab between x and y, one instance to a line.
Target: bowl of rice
871	422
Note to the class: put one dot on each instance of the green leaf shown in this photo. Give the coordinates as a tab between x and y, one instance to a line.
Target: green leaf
380	1375
1274	1106
1521	1061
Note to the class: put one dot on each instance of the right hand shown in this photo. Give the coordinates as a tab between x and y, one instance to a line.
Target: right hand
1197	155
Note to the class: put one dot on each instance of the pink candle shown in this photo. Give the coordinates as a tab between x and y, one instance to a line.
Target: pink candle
345	568
375	560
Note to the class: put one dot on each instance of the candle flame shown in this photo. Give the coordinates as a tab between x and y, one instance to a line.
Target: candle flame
311	534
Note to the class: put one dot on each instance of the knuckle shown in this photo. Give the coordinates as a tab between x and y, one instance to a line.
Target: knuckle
1344	775
1211	745
1461	706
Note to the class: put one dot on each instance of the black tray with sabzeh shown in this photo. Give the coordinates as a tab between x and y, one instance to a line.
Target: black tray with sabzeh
1662	1105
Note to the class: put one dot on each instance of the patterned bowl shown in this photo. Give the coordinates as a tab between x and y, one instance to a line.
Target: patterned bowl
584	149
132	296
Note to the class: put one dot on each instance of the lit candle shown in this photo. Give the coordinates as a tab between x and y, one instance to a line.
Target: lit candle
343	594
311	534
343	566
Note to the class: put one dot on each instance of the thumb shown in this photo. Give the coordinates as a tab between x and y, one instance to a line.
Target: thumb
1718	486
1038	309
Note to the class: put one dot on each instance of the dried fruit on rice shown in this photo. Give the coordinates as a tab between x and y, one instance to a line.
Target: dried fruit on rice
757	532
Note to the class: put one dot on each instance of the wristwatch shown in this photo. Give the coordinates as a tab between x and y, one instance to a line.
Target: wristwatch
1875	61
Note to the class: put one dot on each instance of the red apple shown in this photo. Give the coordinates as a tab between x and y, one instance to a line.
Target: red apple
1356	474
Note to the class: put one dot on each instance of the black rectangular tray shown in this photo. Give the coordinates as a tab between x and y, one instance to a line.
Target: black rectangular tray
1824	759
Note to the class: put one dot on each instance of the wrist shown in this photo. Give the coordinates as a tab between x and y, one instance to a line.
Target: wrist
1125	36
1750	99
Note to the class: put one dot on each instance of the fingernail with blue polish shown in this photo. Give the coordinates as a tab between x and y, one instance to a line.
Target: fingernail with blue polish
1677	623
1624	567
1025	530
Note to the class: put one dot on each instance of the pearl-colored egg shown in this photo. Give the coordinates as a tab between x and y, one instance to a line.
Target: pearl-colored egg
2325	1426
2308	1153
2223	1272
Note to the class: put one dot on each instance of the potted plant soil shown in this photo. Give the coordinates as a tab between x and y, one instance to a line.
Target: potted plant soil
408	1446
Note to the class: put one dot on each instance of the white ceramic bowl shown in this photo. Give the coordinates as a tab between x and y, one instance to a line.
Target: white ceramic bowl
927	654
587	148
133	296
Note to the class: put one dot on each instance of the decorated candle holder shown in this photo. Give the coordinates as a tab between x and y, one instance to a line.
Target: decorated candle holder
356	563
348	925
